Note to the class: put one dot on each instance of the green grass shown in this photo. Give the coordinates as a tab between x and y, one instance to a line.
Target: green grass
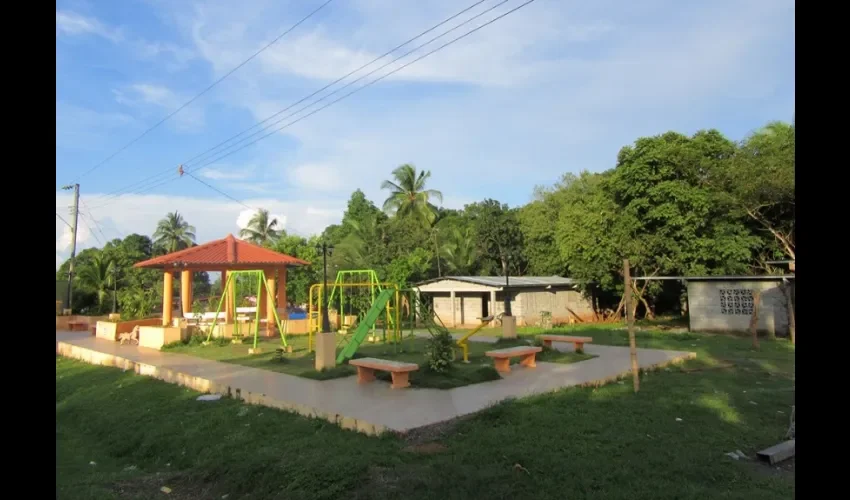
577	443
301	362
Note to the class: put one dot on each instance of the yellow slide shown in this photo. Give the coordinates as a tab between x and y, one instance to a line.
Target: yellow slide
462	343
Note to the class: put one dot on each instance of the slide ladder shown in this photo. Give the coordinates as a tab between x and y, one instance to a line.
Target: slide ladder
365	325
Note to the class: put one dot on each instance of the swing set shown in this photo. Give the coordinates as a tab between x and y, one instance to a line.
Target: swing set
259	276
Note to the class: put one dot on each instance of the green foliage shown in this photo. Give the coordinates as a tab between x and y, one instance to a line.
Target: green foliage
262	229
439	351
174	233
408	195
498	236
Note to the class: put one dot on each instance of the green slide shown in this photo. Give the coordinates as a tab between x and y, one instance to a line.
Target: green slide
364	326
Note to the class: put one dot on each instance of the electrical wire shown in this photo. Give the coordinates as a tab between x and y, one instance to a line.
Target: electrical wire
450	42
190	101
219	191
63	220
146	183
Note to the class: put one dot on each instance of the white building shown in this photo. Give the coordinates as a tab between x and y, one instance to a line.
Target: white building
725	303
462	300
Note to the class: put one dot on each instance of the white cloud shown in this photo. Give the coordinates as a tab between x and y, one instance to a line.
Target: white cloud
227	174
81	128
316	177
212	218
163	100
73	24
245	218
64	234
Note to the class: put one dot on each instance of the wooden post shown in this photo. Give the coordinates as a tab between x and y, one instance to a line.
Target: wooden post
754	319
792	320
630	319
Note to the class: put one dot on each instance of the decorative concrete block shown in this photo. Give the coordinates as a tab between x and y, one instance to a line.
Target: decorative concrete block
154	337
325	350
106	330
509	327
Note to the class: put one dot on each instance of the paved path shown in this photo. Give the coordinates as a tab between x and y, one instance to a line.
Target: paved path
373	407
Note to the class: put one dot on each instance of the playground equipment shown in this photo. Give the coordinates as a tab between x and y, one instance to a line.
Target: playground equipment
386	302
463	342
237	326
364	277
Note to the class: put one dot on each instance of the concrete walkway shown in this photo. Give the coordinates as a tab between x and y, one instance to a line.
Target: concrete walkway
371	408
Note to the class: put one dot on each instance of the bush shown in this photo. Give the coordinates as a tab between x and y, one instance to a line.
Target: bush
439	351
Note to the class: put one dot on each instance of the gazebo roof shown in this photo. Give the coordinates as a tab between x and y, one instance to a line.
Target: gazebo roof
224	254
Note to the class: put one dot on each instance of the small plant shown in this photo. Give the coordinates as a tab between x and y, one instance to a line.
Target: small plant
539	343
439	351
546	319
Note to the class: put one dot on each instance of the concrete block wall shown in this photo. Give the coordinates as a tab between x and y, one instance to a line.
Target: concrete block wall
705	309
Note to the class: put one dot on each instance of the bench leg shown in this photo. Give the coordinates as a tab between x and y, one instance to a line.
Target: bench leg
400	380
547	343
529	360
503	365
579	347
365	375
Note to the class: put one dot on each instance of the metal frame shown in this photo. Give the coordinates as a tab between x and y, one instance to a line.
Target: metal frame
261	278
392	322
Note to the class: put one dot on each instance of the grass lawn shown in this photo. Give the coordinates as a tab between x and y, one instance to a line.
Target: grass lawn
668	441
301	362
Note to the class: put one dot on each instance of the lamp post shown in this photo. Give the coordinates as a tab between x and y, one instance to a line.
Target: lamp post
325	249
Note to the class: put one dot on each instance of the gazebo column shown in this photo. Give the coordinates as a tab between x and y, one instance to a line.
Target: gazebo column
167	297
230	312
454	309
281	294
270	305
186	291
261	298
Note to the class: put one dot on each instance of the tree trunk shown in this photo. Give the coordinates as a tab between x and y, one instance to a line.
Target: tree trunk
792	320
650	314
754	319
627	299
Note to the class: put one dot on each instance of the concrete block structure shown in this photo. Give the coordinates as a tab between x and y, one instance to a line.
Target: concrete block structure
461	301
725	303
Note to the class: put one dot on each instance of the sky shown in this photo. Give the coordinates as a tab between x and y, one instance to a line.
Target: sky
557	86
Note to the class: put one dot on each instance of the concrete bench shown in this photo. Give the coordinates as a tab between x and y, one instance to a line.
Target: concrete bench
398	370
578	342
502	357
78	326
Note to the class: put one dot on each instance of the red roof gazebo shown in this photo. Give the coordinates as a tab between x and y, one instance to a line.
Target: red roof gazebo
226	254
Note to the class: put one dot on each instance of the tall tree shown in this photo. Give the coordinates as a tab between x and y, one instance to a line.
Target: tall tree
760	183
459	252
262	229
498	235
408	194
174	233
97	275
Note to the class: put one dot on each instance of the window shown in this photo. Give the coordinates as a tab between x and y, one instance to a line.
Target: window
736	301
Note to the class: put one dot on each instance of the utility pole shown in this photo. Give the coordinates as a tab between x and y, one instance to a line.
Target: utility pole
76	188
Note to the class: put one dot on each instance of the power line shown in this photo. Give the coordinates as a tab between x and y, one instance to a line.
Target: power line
147	182
95	221
190	101
91	230
66	222
190	174
370	83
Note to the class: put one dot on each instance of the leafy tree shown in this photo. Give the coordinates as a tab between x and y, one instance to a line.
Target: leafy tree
299	279
97	275
760	183
459	252
174	233
409	196
497	235
262	229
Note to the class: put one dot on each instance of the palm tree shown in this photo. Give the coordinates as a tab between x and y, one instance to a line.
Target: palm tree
260	229
408	194
460	253
97	275
174	233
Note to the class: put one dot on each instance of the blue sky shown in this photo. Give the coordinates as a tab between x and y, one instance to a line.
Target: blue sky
558	86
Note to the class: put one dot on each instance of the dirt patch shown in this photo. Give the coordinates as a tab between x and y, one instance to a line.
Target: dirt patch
391	482
431	433
784	469
426	448
182	487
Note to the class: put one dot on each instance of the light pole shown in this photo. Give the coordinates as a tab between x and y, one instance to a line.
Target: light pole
70	295
325	249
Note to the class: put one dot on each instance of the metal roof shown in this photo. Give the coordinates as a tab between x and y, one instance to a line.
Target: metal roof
768	277
513	281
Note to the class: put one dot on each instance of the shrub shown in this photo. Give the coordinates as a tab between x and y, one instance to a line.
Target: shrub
439	351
